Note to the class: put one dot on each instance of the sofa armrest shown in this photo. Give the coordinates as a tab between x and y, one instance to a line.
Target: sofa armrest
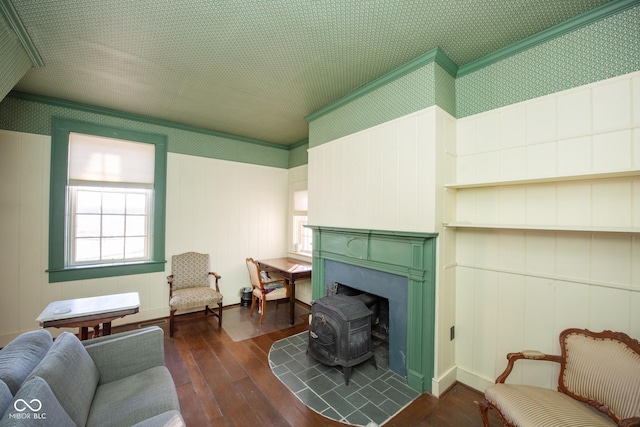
526	354
630	422
121	355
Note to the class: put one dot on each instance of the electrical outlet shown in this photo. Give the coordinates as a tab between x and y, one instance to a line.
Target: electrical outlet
452	333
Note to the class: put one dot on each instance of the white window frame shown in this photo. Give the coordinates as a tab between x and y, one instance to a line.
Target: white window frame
300	235
72	213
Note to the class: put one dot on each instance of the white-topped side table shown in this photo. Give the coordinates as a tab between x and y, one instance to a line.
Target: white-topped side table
89	312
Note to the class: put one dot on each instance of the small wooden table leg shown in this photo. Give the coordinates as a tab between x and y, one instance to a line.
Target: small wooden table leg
84	333
96	331
106	328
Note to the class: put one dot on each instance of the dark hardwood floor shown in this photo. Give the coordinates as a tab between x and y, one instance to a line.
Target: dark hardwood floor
225	383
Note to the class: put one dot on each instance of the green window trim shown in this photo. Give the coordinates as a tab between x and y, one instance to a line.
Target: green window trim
58	270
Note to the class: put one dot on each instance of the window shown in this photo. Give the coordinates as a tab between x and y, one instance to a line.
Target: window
302	236
107	201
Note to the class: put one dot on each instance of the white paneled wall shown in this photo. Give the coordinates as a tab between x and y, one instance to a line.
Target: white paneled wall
226	209
382	178
586	130
550	192
230	210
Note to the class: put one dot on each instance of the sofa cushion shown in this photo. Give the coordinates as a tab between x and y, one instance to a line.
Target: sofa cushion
21	356
166	419
35	405
535	406
133	399
71	374
5	397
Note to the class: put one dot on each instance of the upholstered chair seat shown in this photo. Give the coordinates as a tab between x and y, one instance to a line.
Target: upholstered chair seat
598	385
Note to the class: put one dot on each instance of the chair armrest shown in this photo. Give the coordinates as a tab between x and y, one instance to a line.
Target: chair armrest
121	355
218	277
528	355
630	422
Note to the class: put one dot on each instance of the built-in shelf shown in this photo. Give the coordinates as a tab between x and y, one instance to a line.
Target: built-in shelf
565	178
566	228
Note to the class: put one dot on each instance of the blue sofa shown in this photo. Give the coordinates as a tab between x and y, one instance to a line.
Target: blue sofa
116	380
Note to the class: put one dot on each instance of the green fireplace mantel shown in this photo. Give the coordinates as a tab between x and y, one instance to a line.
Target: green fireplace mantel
408	254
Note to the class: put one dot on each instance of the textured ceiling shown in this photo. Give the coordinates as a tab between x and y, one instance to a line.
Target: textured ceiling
256	68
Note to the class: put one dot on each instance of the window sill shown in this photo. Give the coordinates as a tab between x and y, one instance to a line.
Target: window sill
83	272
302	256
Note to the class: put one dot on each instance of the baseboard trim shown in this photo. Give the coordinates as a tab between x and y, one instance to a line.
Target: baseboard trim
472	380
439	386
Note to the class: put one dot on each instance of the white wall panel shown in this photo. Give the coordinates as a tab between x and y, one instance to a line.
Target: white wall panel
547	280
590	129
512	249
485	318
541	160
513	127
574	156
382	178
609	309
511	163
612	105
541	120
541	205
574	113
574	204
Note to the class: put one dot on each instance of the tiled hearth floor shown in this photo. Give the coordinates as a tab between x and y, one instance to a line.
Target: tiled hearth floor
372	395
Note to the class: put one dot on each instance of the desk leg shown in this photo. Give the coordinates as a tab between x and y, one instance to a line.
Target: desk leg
292	301
84	333
106	328
96	331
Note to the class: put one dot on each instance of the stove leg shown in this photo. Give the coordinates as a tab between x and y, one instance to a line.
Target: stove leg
346	371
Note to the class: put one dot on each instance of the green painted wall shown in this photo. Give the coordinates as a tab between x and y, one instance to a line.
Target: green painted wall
607	48
298	155
25	115
411	92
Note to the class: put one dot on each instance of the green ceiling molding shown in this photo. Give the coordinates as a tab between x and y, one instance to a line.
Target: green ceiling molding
12	18
14	62
434	55
603	49
410	93
32	114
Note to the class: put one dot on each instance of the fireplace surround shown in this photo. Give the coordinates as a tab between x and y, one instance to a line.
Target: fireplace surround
407	255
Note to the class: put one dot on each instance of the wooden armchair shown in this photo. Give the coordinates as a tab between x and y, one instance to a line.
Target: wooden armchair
597	369
265	289
189	286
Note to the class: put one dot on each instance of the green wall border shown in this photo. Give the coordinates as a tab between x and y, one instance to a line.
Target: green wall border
544	36
58	270
434	55
137	117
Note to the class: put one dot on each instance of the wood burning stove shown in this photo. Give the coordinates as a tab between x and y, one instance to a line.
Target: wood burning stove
340	333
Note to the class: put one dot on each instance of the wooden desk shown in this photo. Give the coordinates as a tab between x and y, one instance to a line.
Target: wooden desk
292	270
89	312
